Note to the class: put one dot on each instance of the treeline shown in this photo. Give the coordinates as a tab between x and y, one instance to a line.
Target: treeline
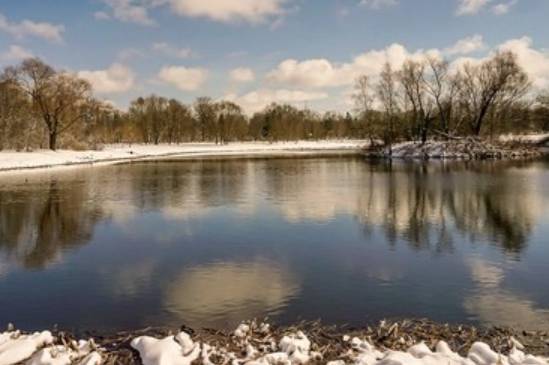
431	98
41	107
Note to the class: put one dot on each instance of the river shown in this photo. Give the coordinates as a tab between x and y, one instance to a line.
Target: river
211	243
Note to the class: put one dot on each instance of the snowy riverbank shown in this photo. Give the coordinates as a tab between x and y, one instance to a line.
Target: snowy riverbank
10	160
403	343
506	147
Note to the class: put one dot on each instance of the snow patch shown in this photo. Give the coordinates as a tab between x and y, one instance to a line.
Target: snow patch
242	330
38	349
172	350
10	160
16	347
292	349
524	138
480	354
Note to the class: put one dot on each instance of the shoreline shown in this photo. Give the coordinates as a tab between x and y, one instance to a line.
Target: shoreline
119	154
466	150
410	341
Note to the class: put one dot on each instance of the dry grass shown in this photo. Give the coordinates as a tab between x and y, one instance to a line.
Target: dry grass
329	340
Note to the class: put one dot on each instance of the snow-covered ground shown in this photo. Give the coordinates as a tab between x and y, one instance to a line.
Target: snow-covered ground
10	160
253	349
524	138
467	149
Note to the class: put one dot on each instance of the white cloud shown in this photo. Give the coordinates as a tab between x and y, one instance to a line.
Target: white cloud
535	62
471	7
377	4
128	54
466	45
257	100
183	78
319	73
503	8
171	51
29	28
101	15
322	73
228	11
308	73
242	75
129	11
116	79
16	53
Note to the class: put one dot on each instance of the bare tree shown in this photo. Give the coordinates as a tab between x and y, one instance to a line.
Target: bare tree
15	121
205	110
231	122
180	122
388	95
443	87
362	95
412	78
498	81
59	98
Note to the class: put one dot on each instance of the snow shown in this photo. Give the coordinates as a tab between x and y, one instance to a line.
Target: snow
464	149
432	149
294	348
524	138
297	347
172	350
10	160
242	330
62	355
16	347
38	349
479	354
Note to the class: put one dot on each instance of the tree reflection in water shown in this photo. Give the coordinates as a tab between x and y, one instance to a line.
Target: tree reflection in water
37	225
274	237
429	205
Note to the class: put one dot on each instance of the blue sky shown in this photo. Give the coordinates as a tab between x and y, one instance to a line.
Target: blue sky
243	49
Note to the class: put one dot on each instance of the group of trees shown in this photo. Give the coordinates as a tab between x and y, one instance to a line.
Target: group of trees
430	98
41	107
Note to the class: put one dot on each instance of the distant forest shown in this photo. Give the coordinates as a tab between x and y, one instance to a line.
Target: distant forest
41	107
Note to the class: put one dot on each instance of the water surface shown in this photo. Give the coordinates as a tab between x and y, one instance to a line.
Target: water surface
210	243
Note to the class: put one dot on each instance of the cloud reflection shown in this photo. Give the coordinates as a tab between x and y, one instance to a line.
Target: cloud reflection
226	292
492	304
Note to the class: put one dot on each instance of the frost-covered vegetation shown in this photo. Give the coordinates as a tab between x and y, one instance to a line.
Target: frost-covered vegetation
41	107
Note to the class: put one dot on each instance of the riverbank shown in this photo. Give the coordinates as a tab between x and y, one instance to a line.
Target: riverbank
10	160
509	147
506	147
407	342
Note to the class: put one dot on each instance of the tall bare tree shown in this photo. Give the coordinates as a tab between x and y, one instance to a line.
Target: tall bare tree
388	96
59	98
443	87
496	82
206	116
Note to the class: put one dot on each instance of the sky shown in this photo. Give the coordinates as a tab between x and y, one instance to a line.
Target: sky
254	52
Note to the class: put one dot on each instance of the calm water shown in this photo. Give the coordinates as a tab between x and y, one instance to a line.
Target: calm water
211	243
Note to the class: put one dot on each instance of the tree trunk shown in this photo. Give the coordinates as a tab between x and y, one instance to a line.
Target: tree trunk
53	141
